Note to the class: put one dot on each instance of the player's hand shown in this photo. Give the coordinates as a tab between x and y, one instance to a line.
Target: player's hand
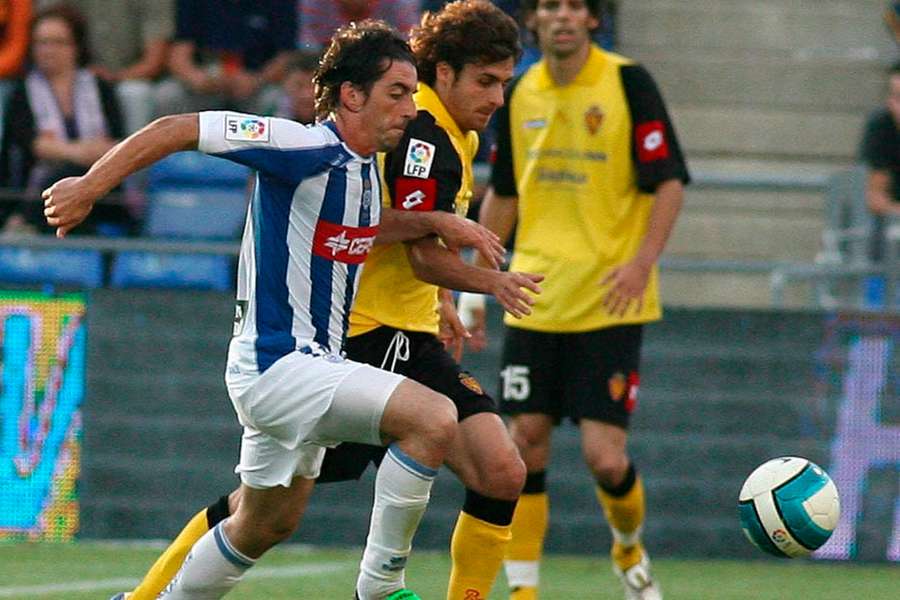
626	284
67	203
451	330
510	291
458	232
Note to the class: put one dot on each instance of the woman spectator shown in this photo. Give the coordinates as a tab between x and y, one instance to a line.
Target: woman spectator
59	119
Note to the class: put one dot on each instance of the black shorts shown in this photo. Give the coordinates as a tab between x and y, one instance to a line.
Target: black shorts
420	357
589	375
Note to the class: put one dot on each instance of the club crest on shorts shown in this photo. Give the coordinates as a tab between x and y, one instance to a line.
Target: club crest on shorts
617	386
470	382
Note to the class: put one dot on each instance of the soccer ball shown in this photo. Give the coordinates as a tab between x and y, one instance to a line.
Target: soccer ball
789	506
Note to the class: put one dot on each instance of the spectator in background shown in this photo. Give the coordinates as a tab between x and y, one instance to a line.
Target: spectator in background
59	120
319	18
14	19
227	54
297	100
892	19
129	40
880	151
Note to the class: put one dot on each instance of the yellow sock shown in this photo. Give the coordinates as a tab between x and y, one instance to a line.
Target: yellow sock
625	515
477	551
524	552
167	565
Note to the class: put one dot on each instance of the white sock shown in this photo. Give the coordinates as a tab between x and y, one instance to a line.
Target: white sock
522	573
402	488
210	570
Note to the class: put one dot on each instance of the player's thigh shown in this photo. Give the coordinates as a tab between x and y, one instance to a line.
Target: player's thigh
602	377
434	368
416	409
530	373
358	406
485	458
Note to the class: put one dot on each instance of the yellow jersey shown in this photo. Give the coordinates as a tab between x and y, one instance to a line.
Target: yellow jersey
584	160
431	169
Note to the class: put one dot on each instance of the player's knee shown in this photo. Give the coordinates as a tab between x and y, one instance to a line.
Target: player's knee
275	530
507	477
608	469
440	424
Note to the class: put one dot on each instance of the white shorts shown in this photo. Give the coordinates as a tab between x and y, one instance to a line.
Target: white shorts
301	405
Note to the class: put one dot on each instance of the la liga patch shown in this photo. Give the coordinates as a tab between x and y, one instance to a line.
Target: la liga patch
241	128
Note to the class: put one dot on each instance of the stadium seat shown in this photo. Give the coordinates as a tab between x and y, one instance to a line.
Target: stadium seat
196	213
64	267
195	169
157	270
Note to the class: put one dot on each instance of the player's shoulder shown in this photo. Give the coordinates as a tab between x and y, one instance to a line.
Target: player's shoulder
424	145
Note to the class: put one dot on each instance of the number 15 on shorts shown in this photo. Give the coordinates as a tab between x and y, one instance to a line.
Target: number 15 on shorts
516	383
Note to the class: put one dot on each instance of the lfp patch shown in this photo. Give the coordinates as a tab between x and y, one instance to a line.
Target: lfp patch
419	156
241	128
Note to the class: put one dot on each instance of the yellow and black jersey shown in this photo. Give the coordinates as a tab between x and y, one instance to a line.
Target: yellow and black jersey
431	169
584	160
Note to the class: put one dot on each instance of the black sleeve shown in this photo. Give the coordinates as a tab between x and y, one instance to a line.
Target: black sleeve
112	111
424	171
875	149
503	178
654	145
16	156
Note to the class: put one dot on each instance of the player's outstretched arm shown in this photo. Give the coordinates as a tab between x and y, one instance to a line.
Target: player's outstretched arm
440	266
69	201
456	232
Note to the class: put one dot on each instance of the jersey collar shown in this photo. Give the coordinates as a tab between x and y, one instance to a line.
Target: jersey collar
428	99
330	124
587	76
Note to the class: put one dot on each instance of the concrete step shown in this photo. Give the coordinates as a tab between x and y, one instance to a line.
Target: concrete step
722	131
774	82
806	27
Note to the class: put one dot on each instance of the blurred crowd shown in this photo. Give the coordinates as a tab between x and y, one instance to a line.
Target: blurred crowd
77	76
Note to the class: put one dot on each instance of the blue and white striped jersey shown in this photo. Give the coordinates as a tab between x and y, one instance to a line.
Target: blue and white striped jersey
312	221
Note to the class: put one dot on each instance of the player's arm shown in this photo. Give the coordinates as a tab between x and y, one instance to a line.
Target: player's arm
69	201
878	193
661	171
435	264
456	232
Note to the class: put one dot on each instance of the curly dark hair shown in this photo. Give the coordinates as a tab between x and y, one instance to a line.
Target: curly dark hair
76	22
359	54
464	32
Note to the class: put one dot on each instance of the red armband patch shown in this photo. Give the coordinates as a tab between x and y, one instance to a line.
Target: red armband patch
650	138
415	194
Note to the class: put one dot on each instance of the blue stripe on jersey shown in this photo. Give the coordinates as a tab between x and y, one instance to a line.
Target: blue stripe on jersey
321	268
365	219
292	165
274	317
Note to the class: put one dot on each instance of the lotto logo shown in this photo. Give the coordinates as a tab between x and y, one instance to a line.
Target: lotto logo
651	141
246	129
419	157
343	243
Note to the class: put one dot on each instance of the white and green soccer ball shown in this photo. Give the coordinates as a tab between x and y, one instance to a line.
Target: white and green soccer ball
789	507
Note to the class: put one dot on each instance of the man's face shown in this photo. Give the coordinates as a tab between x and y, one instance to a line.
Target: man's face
563	27
298	86
893	100
389	106
472	95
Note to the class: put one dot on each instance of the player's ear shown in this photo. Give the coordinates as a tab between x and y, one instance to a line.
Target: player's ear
352	97
444	74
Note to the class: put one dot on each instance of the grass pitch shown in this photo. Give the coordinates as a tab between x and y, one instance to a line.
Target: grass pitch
94	571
